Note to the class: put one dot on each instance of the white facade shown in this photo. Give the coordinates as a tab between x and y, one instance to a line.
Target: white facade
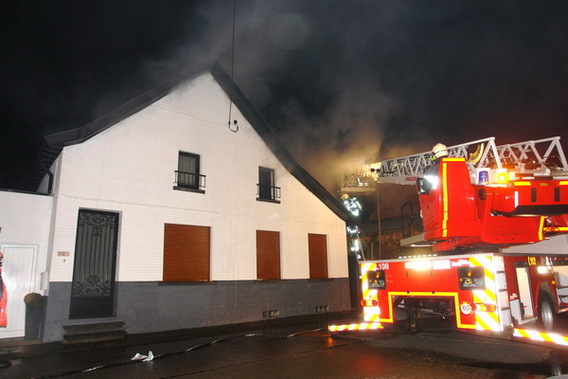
130	167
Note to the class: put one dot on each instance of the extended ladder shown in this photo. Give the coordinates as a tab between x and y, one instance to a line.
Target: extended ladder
540	157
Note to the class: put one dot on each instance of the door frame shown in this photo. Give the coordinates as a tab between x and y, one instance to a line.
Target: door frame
16	307
98	305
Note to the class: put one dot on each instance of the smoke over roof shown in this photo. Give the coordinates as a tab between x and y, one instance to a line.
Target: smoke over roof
337	80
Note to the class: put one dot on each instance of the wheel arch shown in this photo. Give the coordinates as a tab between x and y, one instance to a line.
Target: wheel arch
545	290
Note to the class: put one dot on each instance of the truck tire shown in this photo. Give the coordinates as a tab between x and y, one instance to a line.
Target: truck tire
546	312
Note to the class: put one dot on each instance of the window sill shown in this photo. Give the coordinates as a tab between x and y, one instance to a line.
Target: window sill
268	200
188	189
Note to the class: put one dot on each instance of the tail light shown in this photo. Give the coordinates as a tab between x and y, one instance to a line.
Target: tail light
485	307
369	303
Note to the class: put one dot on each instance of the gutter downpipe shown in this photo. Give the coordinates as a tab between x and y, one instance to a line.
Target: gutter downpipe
50	181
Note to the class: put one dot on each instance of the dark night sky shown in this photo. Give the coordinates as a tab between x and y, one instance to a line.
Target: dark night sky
337	79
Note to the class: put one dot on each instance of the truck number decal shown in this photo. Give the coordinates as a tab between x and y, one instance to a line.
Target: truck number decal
532	261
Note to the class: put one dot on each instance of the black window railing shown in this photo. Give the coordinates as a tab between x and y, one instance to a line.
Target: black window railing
189	180
268	192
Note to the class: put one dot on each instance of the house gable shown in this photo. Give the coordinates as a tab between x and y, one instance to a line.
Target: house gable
54	143
131	168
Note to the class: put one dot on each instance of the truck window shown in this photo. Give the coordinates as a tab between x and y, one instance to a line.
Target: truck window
376	279
471	278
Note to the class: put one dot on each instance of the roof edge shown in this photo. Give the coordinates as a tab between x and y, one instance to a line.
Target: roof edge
54	143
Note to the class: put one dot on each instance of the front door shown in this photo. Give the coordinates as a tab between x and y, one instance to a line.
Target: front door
18	277
93	288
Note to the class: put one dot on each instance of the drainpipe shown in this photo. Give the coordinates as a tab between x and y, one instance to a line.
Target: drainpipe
50	174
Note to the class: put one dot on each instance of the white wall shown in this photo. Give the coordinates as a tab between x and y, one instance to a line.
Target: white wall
25	221
130	169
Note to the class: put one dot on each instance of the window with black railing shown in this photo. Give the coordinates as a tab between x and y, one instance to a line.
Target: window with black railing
187	176
266	190
189	180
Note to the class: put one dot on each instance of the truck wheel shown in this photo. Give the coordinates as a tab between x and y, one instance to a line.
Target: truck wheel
546	312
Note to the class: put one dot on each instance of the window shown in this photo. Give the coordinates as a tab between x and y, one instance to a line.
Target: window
266	188
186	253
267	255
317	247
187	175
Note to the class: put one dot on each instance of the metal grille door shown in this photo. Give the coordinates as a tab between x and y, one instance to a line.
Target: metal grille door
92	292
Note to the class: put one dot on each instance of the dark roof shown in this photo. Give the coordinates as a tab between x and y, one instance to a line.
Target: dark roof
54	143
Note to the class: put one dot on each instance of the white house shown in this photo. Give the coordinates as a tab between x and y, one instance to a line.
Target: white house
161	216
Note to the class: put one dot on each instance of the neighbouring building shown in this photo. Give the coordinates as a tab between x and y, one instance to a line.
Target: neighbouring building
161	216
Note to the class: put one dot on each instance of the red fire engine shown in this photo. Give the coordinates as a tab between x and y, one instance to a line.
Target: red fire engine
496	220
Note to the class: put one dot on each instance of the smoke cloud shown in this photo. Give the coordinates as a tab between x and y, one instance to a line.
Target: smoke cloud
339	81
369	80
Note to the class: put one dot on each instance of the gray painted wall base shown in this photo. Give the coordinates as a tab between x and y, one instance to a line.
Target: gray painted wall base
147	307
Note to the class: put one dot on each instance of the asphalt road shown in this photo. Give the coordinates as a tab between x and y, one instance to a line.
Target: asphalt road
303	353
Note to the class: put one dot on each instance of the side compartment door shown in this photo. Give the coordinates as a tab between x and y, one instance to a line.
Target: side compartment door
525	297
93	288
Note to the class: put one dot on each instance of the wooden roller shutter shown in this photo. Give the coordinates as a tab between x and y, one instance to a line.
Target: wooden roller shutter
317	246
186	253
267	255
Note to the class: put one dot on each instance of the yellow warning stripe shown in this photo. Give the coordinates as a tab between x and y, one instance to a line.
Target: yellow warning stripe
453	159
372	313
372	317
487	296
365	268
444	200
541	229
459	323
541	337
552	229
391	310
369	313
351	327
445	209
486	320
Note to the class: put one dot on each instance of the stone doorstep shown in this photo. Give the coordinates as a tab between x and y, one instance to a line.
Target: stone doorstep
93	332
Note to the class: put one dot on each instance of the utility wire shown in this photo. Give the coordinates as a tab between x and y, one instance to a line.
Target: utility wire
235	127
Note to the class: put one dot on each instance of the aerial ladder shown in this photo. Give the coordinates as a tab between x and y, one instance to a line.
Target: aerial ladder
481	193
488	211
538	157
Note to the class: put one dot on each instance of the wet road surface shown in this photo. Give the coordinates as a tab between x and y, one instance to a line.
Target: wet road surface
301	353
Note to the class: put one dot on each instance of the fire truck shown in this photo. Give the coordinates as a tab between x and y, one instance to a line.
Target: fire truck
496	221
